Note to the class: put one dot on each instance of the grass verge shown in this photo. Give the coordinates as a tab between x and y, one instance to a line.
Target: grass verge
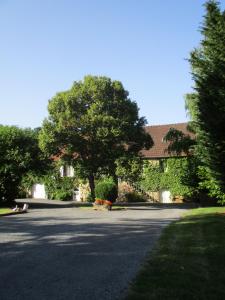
188	262
5	210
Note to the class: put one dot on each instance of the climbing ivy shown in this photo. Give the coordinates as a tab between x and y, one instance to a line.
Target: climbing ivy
57	187
151	177
176	174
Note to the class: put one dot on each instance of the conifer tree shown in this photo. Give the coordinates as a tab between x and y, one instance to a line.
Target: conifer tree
206	104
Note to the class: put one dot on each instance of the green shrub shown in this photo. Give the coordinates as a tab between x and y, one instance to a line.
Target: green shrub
63	195
89	198
106	190
134	197
59	188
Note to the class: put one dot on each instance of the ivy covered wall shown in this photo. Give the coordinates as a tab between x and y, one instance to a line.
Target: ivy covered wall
178	175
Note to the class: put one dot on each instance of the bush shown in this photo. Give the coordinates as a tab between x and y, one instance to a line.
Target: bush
59	188
63	195
107	190
134	197
89	198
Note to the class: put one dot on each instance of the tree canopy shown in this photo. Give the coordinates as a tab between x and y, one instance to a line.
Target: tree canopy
93	124
19	153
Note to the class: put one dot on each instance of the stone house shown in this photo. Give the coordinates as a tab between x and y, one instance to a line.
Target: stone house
159	152
154	155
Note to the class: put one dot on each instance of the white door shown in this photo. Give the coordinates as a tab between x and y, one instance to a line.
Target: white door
76	195
38	191
165	196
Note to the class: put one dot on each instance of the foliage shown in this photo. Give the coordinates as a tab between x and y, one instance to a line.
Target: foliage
27	181
176	174
129	167
179	142
134	197
208	183
206	105
106	190
181	176
87	125
63	195
151	177
19	153
59	188
89	198
126	187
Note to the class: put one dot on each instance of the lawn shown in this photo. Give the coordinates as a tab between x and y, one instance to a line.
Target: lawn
5	210
188	262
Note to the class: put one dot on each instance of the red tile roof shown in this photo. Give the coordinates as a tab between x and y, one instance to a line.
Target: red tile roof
157	132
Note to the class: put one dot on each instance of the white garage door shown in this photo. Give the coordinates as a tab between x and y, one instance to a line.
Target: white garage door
165	196
38	191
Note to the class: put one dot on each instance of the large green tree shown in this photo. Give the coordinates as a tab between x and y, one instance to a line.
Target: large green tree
92	125
206	104
19	154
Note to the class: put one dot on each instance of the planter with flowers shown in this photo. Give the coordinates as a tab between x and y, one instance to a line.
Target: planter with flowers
101	204
105	189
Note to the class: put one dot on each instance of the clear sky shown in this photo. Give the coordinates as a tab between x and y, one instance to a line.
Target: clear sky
48	44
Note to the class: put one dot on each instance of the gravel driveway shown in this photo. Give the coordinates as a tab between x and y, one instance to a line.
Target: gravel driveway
76	253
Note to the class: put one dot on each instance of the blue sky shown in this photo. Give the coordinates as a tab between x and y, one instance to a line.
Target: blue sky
48	44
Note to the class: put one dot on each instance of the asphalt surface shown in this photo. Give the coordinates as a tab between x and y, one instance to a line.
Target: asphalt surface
76	253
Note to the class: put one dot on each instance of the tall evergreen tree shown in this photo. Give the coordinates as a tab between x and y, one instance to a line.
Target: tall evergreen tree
207	104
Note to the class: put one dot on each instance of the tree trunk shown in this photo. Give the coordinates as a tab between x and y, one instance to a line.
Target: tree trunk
115	179
91	180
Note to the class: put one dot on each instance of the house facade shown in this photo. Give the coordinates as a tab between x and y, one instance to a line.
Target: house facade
159	152
154	155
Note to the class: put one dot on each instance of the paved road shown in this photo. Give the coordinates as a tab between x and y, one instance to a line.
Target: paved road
76	253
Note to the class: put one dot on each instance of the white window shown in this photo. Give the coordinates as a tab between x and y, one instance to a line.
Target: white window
66	171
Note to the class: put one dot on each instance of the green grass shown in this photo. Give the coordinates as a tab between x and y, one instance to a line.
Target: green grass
5	210
188	262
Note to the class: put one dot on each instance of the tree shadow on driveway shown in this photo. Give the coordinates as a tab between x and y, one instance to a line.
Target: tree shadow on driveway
64	256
